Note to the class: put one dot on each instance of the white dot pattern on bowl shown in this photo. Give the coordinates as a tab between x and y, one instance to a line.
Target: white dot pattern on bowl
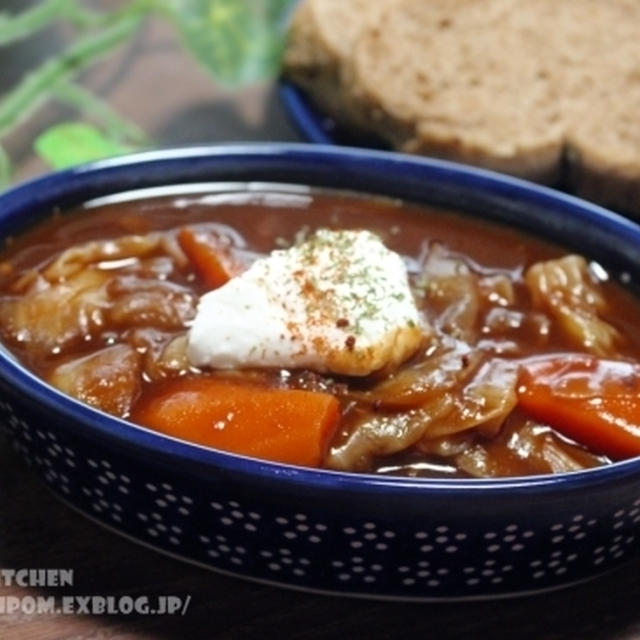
310	547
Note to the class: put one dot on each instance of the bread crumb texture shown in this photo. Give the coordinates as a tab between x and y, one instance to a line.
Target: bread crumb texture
541	89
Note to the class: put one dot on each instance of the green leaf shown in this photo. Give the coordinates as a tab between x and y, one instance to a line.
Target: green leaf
238	41
278	11
71	143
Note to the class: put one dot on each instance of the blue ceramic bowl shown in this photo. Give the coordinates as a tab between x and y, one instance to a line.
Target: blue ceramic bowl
315	126
312	529
311	124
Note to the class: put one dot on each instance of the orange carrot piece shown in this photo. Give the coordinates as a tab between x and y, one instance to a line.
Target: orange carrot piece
212	263
290	426
593	401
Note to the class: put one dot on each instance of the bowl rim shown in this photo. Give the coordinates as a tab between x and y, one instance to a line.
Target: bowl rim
42	190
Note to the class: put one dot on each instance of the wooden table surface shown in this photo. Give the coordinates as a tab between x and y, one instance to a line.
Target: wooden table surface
153	82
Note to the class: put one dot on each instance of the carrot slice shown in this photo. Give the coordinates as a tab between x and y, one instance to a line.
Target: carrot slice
211	261
595	402
290	426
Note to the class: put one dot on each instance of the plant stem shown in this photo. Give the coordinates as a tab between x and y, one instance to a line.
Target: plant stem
84	18
36	86
118	128
22	25
5	168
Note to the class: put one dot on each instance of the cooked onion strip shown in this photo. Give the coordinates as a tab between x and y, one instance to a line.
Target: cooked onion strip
566	289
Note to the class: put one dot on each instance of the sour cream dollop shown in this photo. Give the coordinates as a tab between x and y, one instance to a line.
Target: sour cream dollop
339	302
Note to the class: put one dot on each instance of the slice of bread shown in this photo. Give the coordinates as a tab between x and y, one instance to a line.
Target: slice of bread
462	79
321	38
541	89
602	107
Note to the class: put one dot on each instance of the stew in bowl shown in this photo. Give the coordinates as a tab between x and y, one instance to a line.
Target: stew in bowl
330	329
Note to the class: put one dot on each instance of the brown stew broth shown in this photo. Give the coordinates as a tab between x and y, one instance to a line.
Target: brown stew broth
259	222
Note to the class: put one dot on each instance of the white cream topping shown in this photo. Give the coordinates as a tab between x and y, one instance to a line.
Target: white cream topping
339	302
